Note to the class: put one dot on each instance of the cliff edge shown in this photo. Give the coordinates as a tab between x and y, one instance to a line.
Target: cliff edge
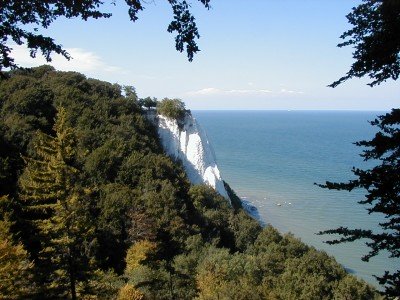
188	142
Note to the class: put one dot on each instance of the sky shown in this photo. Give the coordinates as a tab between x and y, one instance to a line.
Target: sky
255	55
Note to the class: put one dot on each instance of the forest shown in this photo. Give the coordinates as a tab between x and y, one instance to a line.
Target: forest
91	208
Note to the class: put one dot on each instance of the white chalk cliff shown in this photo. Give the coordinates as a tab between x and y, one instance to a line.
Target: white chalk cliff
189	144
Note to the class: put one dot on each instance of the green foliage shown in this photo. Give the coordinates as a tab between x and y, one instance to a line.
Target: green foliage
148	102
130	93
171	108
213	214
15	267
103	285
184	266
312	276
245	230
57	211
224	276
17	16
381	185
138	253
235	200
104	162
101	208
350	288
375	37
129	292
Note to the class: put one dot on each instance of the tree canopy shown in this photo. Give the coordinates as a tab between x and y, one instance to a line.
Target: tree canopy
148	102
381	184
20	21
91	208
375	36
171	108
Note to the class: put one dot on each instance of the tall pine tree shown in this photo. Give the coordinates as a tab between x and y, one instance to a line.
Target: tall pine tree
375	37
382	186
57	209
15	267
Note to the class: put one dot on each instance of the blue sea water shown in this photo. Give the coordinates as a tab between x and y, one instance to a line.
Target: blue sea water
273	158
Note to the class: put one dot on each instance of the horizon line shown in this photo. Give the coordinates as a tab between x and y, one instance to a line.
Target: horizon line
290	110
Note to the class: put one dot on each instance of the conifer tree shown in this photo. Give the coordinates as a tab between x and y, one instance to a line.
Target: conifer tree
58	210
15	267
375	36
382	186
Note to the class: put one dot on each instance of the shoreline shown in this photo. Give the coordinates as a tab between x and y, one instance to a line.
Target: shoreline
360	269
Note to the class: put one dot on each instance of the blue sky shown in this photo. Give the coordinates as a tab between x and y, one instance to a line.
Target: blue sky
257	54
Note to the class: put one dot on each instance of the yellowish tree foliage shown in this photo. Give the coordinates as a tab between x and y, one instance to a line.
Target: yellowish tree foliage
212	276
15	267
129	292
138	253
58	210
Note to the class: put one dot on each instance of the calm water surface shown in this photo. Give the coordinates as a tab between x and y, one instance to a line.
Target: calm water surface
273	158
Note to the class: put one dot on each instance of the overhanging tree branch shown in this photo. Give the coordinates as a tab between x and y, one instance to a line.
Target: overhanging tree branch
15	15
376	40
382	186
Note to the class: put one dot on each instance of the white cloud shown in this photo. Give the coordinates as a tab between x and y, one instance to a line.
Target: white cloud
211	91
81	61
248	91
206	91
234	92
285	91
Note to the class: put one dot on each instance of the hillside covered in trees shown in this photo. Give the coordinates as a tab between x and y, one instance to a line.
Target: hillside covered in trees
91	208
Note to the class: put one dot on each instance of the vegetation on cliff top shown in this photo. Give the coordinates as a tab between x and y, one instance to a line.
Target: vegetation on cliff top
171	108
91	207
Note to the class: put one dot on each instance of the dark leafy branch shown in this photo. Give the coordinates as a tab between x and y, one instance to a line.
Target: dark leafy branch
16	16
376	40
382	186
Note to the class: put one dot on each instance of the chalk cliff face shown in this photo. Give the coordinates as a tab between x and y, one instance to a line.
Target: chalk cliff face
189	144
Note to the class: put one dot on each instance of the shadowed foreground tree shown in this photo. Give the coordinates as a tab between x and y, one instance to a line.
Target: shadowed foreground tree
382	184
15	267
58	209
18	17
376	38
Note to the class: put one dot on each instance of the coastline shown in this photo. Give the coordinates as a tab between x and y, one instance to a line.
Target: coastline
279	155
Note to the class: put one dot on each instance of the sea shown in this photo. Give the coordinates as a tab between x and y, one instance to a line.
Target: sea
272	160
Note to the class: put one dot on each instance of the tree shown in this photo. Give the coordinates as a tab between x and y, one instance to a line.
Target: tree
148	102
139	253
221	275
58	211
350	288
16	16
171	108
15	267
129	292
376	37
382	184
311	276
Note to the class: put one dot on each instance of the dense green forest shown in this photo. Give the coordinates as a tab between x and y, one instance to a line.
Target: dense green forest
91	208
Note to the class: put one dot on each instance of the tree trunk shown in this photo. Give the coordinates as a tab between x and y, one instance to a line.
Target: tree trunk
72	279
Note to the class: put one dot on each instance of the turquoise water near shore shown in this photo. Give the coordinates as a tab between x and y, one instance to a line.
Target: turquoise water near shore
273	158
